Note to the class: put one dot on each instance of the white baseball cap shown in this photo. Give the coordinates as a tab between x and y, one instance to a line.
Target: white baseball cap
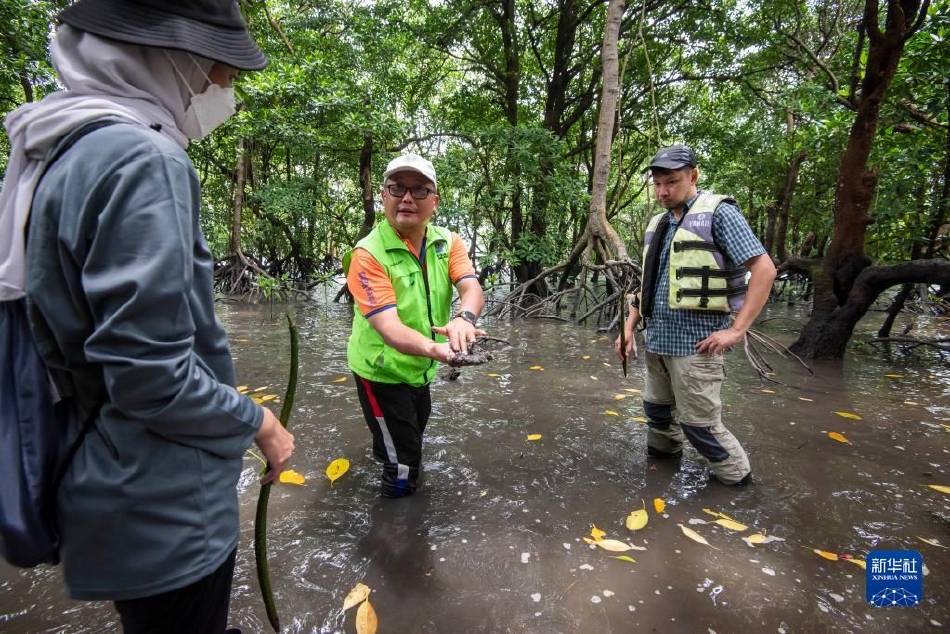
411	163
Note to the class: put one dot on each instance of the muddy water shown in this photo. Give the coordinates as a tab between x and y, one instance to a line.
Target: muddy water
492	543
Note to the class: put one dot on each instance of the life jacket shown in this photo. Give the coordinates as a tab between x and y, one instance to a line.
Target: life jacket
699	277
423	300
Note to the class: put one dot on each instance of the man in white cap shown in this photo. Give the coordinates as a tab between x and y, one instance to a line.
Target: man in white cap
401	276
120	277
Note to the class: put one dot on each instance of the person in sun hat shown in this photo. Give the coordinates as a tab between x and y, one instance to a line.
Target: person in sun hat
401	277
119	281
696	258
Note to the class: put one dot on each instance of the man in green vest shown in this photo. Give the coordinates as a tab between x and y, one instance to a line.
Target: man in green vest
401	276
697	257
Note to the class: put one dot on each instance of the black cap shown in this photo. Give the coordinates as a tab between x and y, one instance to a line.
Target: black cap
673	158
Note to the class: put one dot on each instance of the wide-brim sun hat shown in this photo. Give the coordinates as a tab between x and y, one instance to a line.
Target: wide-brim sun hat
214	29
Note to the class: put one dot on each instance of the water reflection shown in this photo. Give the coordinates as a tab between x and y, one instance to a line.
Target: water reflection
493	541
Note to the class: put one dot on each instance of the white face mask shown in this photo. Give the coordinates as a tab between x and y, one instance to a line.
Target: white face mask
207	110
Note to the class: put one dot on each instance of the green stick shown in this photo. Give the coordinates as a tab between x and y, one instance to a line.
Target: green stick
260	520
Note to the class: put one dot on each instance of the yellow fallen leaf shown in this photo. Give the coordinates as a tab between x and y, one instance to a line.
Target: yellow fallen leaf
631	389
807	400
356	596
241	388
696	537
848	415
731	525
910	403
366	622
614	545
715	514
639	419
494	375
824	553
758	538
619	397
242	340
534	436
260	389
659	505
767	391
611	412
536	367
940	487
291	477
637	519
856	562
337	468
624	558
268	397
932	542
586	357
590	541
894	376
594	377
339	380
596	533
836	436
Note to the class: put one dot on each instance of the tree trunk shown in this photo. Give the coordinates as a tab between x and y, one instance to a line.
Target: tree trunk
837	307
366	187
785	205
603	239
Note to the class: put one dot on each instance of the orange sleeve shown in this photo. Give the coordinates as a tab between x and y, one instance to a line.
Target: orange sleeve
459	263
368	283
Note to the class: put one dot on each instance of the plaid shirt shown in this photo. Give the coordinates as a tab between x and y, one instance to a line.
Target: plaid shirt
676	332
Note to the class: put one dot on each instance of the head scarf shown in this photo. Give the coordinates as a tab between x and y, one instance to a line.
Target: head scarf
103	78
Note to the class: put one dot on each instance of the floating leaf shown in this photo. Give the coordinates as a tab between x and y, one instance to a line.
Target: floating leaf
932	542
534	437
611	412
596	533
268	397
940	487
260	389
715	514
614	545
836	436
624	558
731	525
291	477
631	389
758	538
639	419
536	367
767	391
241	388
848	415
242	340
590	541
637	519
586	357
366	622
659	505
910	403
357	595
894	376
619	397
824	553
339	380
337	468
807	400
857	562
594	377
493	375
696	537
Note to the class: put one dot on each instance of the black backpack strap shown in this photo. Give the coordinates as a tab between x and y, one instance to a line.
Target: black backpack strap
651	266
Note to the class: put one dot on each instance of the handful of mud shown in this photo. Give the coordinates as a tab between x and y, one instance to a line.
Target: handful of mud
472	358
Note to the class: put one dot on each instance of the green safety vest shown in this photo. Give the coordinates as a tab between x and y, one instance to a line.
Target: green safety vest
422	301
699	277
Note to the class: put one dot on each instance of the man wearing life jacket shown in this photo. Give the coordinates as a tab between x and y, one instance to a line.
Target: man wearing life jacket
401	276
691	287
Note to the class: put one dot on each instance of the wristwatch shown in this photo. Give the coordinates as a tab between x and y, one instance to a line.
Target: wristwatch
468	316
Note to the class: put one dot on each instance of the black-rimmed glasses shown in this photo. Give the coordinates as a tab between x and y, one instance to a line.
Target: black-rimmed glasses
419	193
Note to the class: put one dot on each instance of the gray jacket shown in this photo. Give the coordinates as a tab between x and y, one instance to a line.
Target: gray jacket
119	269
